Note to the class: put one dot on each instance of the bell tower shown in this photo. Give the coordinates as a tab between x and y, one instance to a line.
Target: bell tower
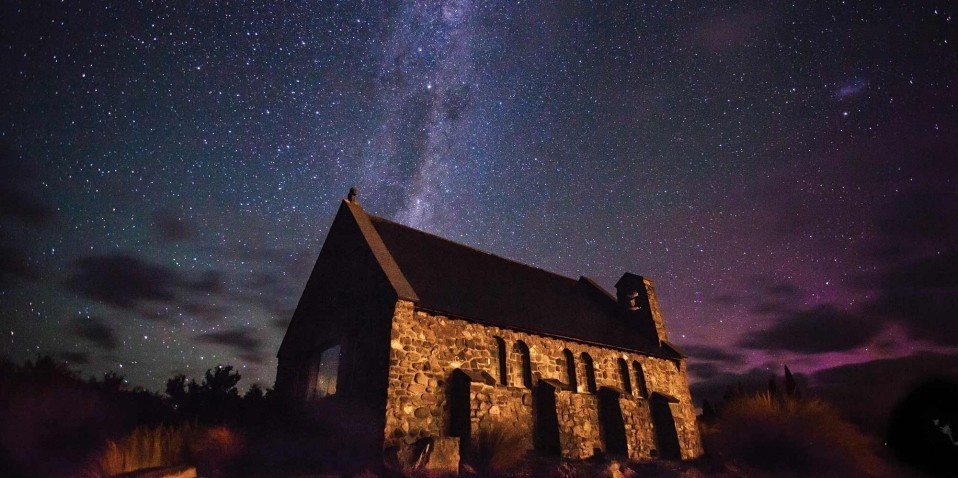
636	295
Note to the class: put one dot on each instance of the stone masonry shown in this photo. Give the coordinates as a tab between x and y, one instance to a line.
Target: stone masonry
426	348
428	343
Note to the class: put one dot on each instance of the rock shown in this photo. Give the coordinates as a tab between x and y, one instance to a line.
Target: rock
444	456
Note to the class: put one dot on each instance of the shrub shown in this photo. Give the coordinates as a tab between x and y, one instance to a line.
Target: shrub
215	449
144	447
497	449
785	436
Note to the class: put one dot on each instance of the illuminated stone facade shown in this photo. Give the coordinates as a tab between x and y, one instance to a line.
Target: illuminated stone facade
437	341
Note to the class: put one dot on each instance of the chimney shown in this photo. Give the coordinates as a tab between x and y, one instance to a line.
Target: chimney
636	295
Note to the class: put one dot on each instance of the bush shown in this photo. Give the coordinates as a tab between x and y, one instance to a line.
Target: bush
498	449
784	436
211	450
144	447
215	450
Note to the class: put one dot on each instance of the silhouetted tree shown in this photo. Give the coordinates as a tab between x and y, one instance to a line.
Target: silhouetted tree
216	400
791	387
708	411
112	382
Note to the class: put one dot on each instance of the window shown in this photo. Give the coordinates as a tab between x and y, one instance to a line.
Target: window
624	372
640	380
326	373
570	370
501	359
526	363
589	373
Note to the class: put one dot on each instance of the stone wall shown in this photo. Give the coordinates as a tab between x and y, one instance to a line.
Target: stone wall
578	423
426	348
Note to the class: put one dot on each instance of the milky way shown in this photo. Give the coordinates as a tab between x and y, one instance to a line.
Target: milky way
786	173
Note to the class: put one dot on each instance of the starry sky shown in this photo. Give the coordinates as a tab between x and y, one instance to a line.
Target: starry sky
787	172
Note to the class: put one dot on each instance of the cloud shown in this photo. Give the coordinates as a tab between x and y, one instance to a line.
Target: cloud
75	358
715	354
916	222
14	266
18	204
125	281
763	296
821	329
282	322
19	185
96	331
209	313
922	296
244	342
170	227
866	392
703	370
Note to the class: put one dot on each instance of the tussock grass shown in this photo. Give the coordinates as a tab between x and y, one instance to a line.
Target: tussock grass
498	449
774	435
144	447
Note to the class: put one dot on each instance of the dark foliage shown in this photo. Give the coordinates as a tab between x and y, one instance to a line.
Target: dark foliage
51	420
54	423
923	429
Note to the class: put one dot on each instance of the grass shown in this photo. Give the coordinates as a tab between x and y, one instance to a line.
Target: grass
144	447
771	435
211	450
498	449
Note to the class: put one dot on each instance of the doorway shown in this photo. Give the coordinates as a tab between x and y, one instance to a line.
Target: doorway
665	434
547	420
612	425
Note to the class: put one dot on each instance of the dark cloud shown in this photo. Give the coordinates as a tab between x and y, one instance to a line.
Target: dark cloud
919	294
172	227
75	358
210	313
821	329
762	295
96	331
244	342
714	354
282	322
916	221
19	189
703	370
279	280
14	267
867	391
18	204
125	281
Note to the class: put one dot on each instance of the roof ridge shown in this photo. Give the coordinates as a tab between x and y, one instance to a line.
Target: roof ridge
514	261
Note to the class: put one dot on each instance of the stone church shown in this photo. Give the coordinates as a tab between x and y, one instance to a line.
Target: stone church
428	339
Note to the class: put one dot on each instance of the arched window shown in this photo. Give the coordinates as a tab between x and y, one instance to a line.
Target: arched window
624	372
570	370
640	380
589	373
502	375
525	362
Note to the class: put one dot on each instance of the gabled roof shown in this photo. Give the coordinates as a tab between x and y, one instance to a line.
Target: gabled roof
461	281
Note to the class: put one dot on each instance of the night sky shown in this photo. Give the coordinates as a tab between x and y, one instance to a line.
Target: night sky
787	172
